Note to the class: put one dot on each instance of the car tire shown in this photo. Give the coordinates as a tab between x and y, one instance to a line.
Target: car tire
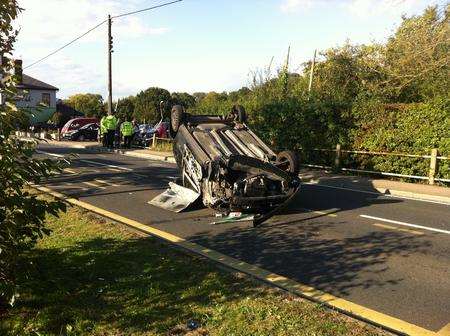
81	138
289	162
176	119
239	112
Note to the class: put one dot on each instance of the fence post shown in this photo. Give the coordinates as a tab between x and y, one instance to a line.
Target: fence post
337	158
433	166
154	140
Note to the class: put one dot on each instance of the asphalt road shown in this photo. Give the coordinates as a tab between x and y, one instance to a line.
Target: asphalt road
355	245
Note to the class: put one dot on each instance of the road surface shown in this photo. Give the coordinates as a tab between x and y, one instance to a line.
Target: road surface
388	254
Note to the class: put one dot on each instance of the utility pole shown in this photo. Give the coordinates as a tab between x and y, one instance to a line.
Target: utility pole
110	51
311	74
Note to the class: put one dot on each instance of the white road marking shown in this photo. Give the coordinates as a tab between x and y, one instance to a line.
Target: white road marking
71	171
51	154
106	165
94	185
374	193
406	224
87	161
106	182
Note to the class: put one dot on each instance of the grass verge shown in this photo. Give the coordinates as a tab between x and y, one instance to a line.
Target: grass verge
93	277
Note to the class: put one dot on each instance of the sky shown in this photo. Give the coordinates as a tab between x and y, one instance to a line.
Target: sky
193	45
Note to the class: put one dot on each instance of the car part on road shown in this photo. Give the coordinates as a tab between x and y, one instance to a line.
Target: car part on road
176	198
226	164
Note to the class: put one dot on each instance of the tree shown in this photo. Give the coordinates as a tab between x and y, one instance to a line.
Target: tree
184	99
125	108
417	57
22	214
88	103
199	96
147	104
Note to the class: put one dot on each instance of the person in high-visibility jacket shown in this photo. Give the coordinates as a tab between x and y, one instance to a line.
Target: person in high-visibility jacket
103	130
110	124
126	128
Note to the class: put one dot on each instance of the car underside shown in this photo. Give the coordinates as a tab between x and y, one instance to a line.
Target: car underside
228	167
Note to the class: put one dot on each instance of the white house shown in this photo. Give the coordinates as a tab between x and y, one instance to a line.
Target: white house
37	98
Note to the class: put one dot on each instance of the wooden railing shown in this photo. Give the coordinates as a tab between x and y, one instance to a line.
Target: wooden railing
432	171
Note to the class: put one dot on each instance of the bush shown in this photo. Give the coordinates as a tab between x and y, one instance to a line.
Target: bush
21	213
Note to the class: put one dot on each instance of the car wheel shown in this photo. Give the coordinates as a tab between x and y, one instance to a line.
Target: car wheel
288	161
81	138
176	118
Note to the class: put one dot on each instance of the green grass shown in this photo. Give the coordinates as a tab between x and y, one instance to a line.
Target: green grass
163	146
93	277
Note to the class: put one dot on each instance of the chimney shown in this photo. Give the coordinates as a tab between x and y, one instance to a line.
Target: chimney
18	70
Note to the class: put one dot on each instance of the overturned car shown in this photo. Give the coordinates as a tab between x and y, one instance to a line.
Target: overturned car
223	163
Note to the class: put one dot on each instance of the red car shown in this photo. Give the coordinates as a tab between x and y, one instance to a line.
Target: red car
161	129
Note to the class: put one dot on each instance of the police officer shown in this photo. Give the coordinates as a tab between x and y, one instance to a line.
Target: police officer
103	130
126	128
111	124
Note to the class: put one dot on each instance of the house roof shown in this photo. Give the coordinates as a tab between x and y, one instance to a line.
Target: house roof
29	82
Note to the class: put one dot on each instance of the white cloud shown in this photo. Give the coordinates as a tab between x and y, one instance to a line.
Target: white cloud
58	21
69	77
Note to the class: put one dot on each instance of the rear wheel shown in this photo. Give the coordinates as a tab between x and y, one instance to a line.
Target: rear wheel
288	161
176	118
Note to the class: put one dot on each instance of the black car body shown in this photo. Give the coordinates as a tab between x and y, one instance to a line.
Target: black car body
232	169
86	132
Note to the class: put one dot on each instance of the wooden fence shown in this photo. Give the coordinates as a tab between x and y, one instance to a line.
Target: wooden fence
433	157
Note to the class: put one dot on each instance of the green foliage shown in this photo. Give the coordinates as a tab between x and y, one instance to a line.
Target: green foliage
404	128
21	214
214	103
184	99
147	104
417	57
88	103
125	108
381	97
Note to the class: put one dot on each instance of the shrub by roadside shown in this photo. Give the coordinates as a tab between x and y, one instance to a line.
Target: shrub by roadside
92	277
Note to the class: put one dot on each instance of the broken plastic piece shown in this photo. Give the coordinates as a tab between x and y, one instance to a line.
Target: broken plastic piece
176	198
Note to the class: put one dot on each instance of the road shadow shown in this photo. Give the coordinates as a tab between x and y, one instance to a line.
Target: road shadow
312	251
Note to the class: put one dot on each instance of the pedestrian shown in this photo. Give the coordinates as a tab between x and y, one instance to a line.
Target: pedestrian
126	128
111	124
103	130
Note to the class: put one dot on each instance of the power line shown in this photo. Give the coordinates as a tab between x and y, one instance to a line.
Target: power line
65	45
146	9
95	27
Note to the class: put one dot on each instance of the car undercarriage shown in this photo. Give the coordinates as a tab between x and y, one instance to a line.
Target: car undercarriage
228	167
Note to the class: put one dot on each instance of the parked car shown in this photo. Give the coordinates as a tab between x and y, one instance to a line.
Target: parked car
161	129
143	137
223	163
76	123
86	132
